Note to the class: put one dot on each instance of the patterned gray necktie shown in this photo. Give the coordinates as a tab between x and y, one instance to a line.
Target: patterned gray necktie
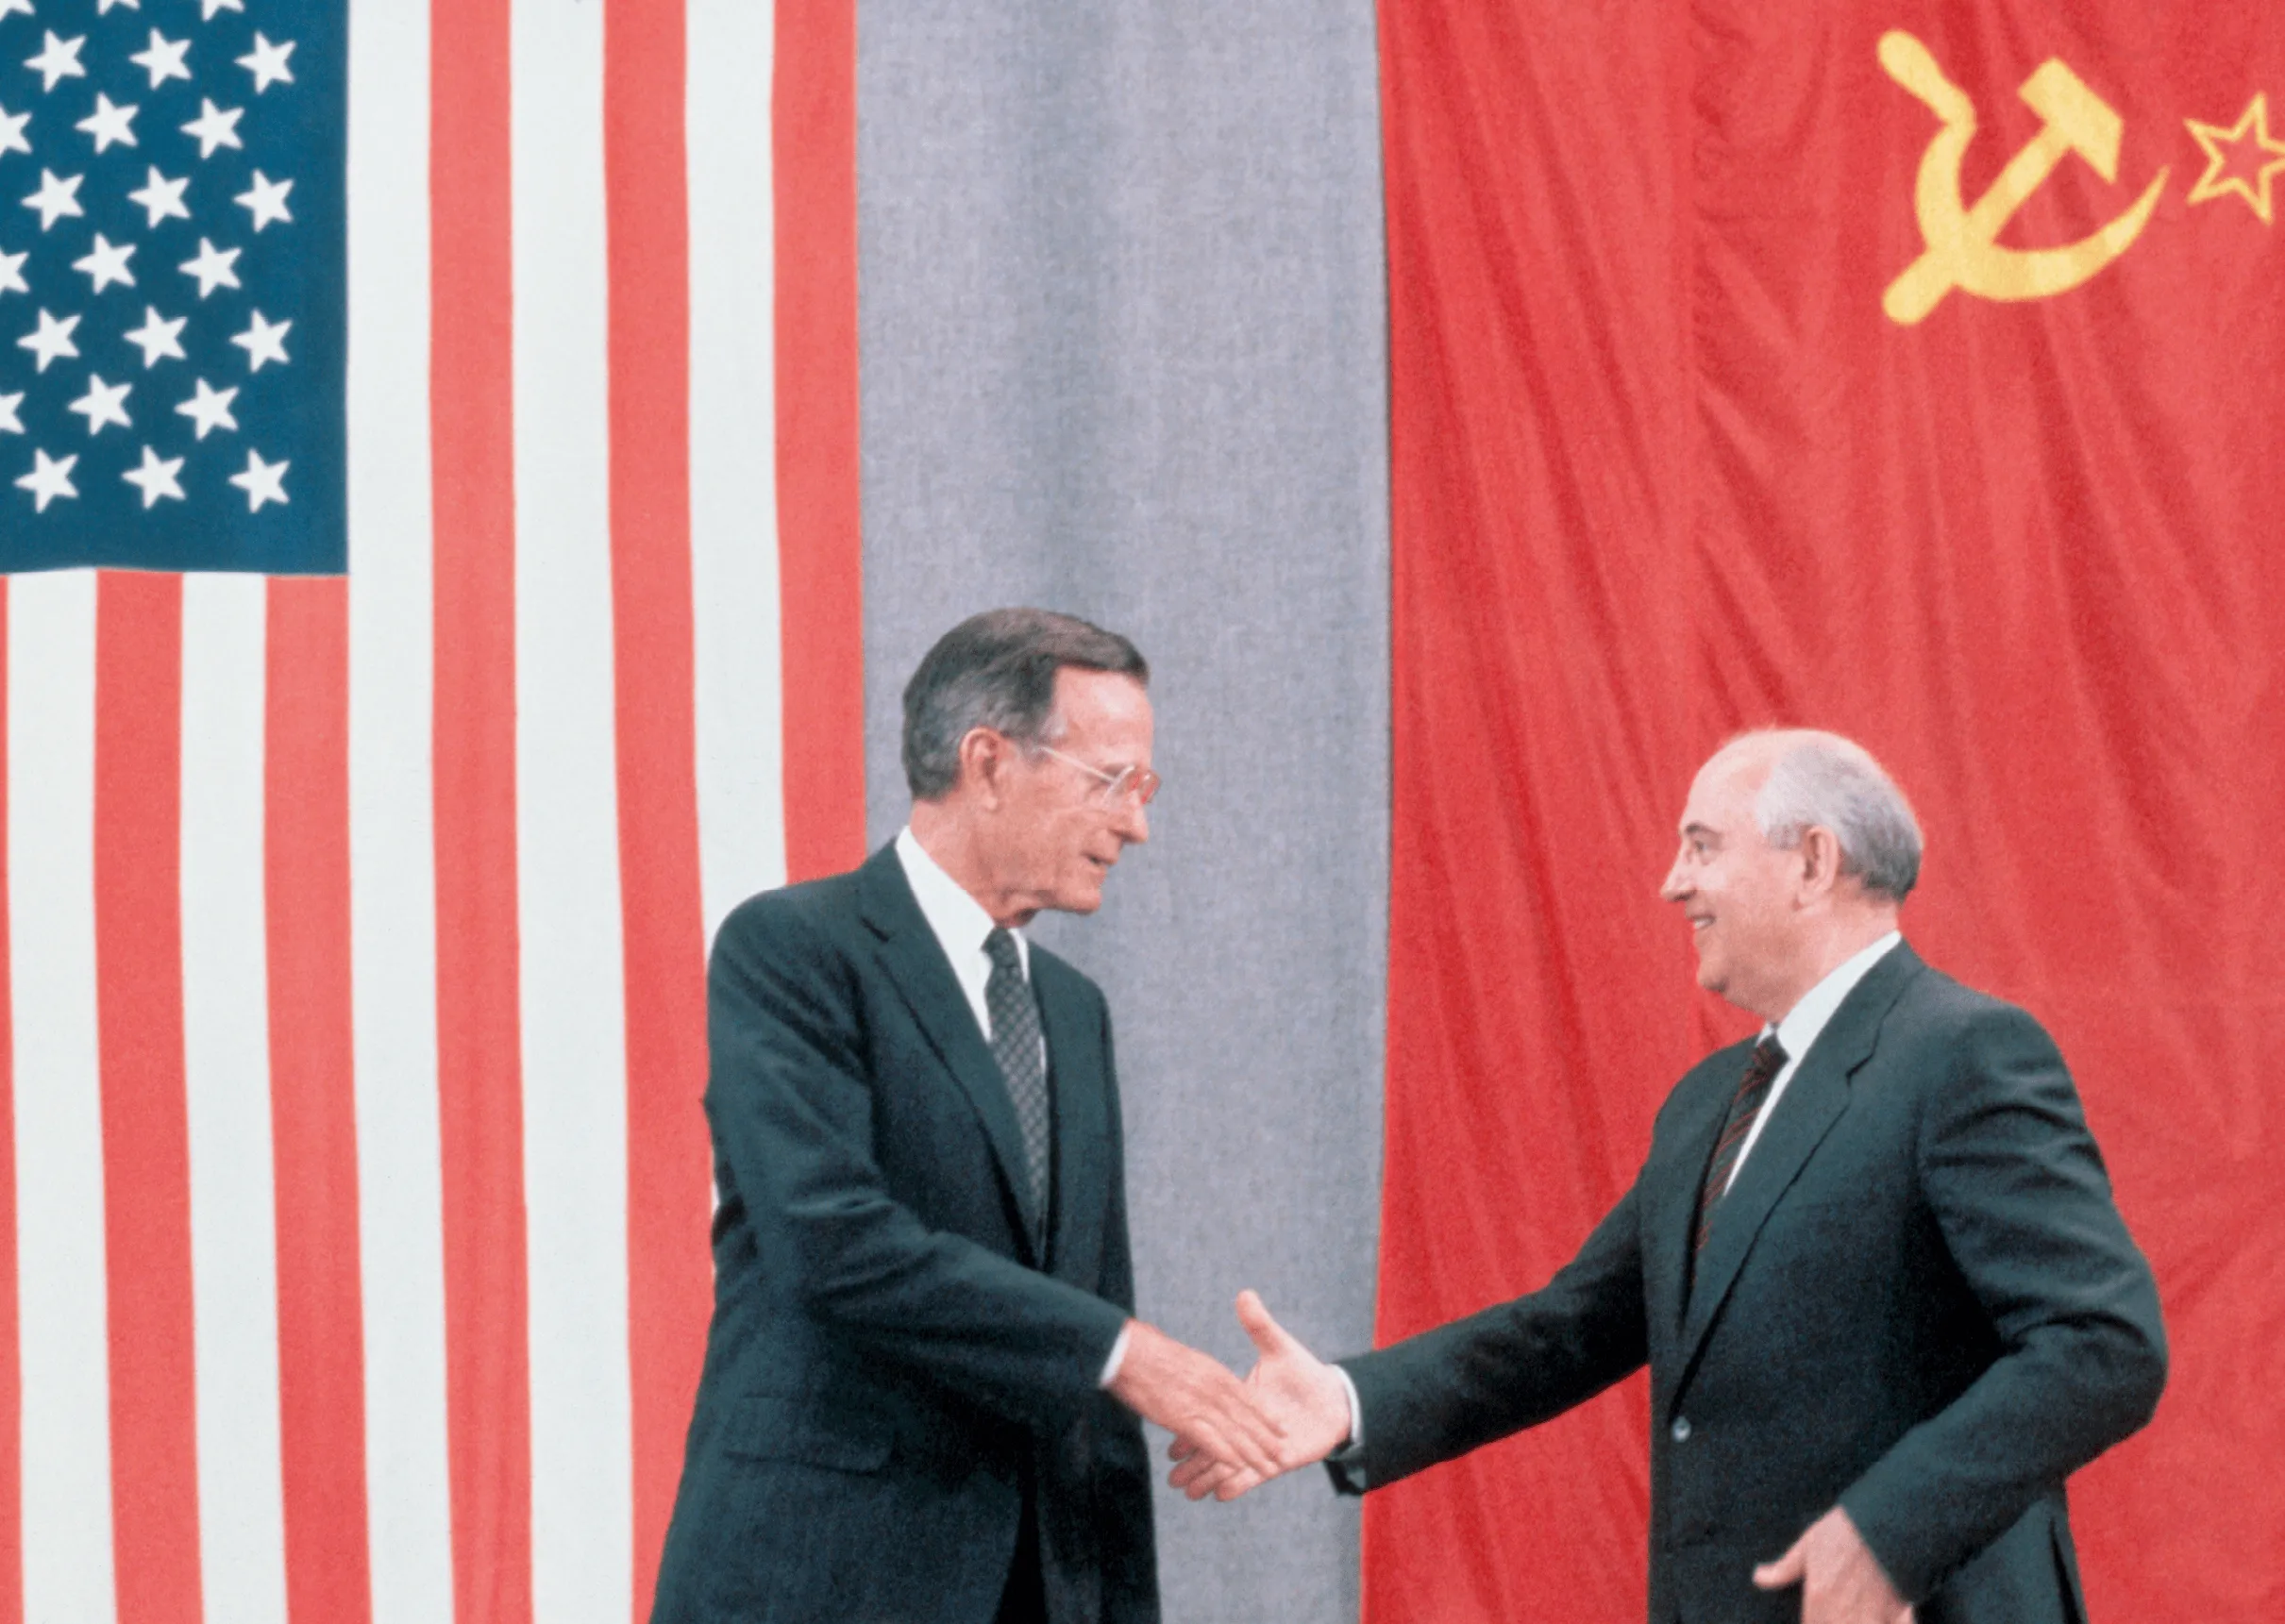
1022	1056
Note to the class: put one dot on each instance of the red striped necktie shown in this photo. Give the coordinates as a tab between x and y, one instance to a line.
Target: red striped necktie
1753	1088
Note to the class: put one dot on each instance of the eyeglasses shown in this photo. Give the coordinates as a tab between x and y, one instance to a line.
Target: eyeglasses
1136	784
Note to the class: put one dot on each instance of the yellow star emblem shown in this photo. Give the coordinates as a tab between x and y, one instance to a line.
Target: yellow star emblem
2242	159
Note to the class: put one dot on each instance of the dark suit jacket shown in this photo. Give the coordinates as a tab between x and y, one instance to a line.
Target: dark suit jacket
892	1365
1918	1301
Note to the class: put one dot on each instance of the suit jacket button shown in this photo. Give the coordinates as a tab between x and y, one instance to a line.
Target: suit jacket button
1680	1430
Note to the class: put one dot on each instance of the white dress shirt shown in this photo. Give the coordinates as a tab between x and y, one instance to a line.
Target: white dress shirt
960	925
1795	1034
1799	1030
959	922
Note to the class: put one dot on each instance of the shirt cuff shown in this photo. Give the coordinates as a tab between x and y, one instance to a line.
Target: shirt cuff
1119	1357
1354	1448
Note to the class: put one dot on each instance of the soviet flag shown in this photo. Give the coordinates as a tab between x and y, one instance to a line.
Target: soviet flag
1910	369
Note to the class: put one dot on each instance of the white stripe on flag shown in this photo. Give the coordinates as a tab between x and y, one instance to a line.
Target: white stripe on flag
392	819
59	1215
733	454
226	1083
567	870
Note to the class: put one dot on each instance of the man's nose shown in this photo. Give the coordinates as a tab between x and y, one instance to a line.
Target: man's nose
1673	887
1133	825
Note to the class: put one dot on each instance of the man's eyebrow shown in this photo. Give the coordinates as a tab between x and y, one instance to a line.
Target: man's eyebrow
1700	831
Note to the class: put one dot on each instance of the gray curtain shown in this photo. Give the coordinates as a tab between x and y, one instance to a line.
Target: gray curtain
1124	354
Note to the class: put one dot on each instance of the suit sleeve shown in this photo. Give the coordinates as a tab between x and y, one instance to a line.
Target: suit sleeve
2018	1189
792	1110
1447	1391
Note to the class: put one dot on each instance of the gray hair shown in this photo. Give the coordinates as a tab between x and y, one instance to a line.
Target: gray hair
998	670
1827	781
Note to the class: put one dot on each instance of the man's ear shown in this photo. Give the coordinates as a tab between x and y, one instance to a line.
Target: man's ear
983	765
1819	855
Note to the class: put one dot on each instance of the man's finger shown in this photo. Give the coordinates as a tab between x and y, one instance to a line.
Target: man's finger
1197	1467
1791	1568
1238	1483
1269	1337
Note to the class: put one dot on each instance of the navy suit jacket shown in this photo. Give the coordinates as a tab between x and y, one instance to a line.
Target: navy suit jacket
1918	1301
893	1365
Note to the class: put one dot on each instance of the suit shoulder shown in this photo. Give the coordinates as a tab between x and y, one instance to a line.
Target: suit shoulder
1940	1005
790	914
1058	974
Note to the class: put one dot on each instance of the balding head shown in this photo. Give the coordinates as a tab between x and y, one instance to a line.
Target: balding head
1796	850
1817	780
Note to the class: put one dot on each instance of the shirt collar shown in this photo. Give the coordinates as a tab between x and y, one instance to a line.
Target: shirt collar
1808	1018
958	920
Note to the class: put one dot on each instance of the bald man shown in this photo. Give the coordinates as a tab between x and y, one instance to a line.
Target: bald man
1872	1261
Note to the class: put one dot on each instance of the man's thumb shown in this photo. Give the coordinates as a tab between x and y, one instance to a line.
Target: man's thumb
1791	1568
1269	1337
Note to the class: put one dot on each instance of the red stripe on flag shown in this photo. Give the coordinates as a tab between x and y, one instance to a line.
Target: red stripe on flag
479	1079
663	920
146	1164
321	1334
12	1359
820	565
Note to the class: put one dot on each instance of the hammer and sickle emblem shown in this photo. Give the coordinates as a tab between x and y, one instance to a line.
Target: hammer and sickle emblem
1962	246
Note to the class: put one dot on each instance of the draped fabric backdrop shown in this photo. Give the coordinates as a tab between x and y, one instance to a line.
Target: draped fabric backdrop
1910	369
354	1191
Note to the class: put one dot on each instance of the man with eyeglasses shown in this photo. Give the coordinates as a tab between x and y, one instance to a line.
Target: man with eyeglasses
924	1375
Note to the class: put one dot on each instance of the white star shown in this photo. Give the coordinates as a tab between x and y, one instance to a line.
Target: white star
103	403
263	342
103	8
210	408
10	422
214	127
159	338
109	124
57	60
162	197
156	477
11	132
267	63
55	198
49	480
262	481
107	262
163	60
267	200
11	273
214	267
10	7
215	6
54	338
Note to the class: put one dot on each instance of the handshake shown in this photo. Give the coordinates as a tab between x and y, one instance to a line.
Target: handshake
1292	1410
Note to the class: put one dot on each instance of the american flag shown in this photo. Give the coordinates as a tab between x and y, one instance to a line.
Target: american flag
178	275
422	623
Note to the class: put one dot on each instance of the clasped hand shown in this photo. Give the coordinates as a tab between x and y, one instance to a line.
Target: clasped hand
1301	1396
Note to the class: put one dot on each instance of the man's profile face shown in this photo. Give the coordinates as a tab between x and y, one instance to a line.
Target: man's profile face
1735	888
1056	840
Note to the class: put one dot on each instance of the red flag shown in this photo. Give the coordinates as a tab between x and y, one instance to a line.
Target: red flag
1909	372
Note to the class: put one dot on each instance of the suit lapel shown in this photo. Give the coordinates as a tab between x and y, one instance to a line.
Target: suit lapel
915	962
1812	1102
1075	1071
1673	1209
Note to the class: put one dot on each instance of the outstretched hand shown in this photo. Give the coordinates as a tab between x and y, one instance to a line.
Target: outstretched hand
1194	1397
1302	1393
1841	1581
